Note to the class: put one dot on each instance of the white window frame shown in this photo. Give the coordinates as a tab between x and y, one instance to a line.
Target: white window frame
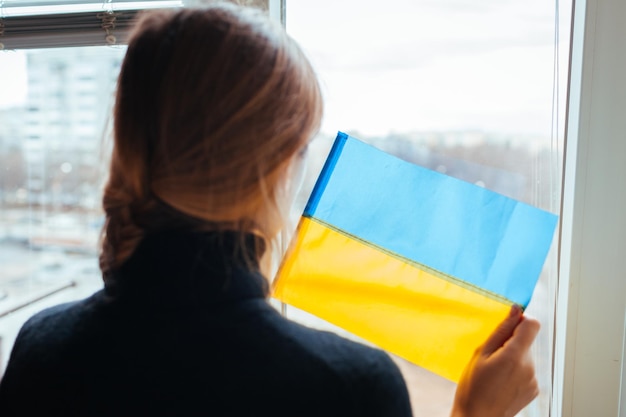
277	10
589	342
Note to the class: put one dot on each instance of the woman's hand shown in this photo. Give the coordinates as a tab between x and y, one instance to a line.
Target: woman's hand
500	379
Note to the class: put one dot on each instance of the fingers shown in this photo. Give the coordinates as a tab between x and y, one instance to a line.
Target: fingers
503	332
524	334
500	380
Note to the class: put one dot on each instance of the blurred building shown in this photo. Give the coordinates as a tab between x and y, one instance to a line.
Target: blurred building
68	103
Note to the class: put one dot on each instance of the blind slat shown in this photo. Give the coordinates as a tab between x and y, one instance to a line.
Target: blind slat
34	3
47	7
64	30
79	27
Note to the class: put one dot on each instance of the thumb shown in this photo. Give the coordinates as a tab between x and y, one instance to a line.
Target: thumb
503	332
524	334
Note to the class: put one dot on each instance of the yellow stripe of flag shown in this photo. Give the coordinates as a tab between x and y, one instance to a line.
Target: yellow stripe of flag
379	297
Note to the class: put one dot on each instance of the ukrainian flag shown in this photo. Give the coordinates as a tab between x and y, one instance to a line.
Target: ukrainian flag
421	264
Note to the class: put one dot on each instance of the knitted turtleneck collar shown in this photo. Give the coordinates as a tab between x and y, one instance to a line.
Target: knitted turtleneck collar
198	270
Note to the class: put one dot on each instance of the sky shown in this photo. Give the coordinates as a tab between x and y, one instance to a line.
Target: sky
12	78
417	65
433	65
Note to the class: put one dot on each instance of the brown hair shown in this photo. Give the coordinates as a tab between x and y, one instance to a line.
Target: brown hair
211	106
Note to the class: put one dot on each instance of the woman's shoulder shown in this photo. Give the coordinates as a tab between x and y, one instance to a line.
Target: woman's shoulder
40	356
364	372
332	347
53	326
346	357
304	343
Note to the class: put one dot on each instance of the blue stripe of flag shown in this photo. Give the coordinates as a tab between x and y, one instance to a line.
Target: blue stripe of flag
462	230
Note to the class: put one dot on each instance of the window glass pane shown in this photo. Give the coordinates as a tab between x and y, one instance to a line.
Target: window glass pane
462	87
470	89
54	108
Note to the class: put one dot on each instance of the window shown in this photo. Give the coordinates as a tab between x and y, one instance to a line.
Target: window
50	216
56	91
469	89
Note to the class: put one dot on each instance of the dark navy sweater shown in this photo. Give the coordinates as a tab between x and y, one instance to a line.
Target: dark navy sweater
184	329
